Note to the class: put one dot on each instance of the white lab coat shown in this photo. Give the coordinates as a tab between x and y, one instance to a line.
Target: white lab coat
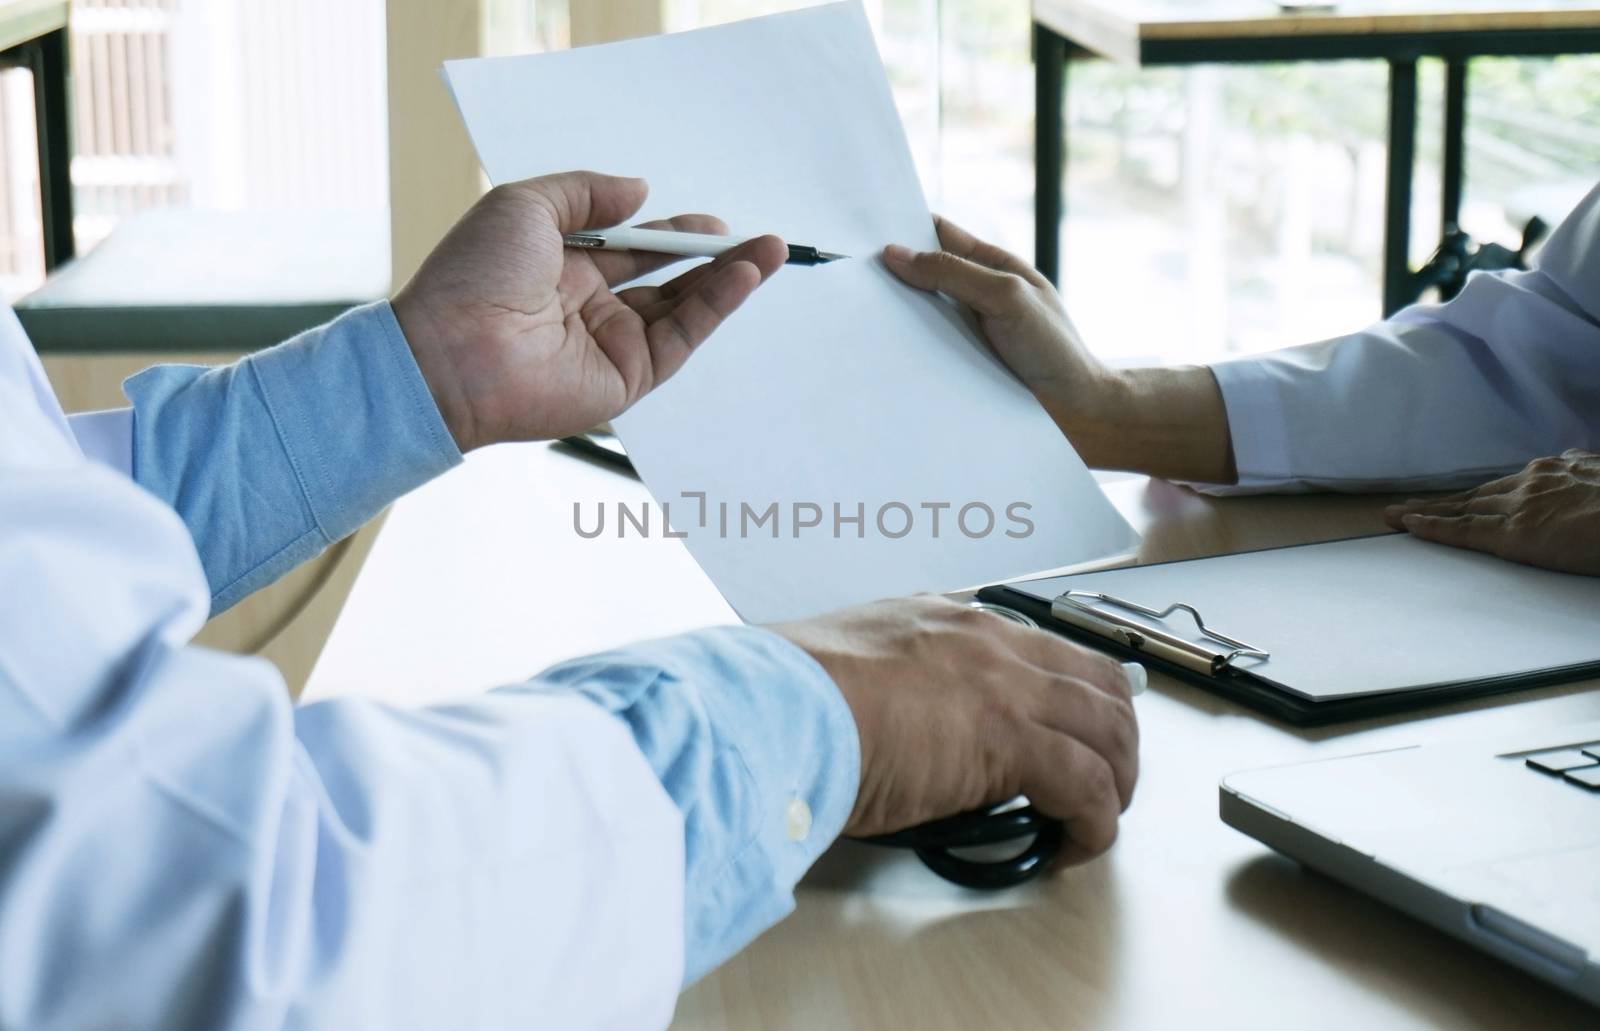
179	847
1440	396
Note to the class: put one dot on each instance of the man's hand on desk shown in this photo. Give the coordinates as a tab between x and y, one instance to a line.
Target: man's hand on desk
956	709
1547	515
1167	422
521	338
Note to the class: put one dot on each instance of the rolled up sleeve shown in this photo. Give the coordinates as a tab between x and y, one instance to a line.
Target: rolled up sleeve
274	457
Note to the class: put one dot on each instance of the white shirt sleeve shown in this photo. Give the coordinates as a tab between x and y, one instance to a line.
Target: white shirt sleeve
1439	396
180	848
106	437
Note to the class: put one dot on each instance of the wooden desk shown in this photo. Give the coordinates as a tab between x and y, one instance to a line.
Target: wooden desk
479	579
1171	32
33	35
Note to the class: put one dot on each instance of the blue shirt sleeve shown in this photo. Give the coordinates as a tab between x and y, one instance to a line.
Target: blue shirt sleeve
754	743
274	457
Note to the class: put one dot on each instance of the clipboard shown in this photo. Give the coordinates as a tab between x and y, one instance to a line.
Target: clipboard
1316	634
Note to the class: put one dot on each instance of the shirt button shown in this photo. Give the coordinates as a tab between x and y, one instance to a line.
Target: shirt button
797	819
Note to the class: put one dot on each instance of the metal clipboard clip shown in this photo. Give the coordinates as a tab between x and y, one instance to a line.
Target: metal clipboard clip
1074	607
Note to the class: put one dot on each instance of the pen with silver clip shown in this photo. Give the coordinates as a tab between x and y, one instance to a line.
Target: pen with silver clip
694	245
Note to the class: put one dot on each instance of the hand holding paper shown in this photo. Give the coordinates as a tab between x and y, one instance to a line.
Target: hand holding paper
520	338
847	438
1167	422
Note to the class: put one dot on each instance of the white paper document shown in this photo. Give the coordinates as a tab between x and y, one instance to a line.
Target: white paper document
842	437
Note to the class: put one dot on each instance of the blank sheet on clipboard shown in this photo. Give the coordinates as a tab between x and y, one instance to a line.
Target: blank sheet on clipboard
1375	615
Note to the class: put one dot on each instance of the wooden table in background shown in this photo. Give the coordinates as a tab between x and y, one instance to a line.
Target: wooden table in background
33	35
479	579
1183	32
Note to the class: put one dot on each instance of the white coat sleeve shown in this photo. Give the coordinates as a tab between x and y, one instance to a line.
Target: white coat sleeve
1439	396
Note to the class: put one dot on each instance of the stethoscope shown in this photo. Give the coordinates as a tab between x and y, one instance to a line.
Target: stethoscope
939	843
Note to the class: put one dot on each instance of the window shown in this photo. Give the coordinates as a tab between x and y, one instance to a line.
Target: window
225	104
1212	210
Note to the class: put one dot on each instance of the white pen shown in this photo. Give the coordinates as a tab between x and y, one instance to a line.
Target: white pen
694	245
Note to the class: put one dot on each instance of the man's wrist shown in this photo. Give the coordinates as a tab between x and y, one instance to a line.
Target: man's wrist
753	742
1169	422
1095	415
428	350
834	664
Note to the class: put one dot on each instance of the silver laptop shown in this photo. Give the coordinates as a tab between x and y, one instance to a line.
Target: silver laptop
1496	843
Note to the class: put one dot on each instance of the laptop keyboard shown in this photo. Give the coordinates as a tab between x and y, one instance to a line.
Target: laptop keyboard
1579	766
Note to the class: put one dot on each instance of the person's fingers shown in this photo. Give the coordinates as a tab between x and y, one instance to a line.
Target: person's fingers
625	266
767	253
958	241
1504	485
1456	501
1491	504
1470	503
1068	780
1450	504
584	200
1061	657
1394	515
981	288
645	299
676	333
1464	505
1477	532
1100	720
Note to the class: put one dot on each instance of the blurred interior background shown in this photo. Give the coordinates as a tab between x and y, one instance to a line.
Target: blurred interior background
241	169
1211	210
